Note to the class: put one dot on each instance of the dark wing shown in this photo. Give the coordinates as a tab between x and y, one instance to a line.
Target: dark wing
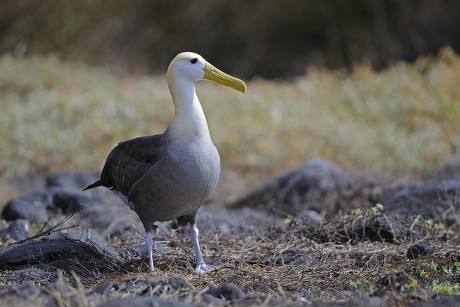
129	161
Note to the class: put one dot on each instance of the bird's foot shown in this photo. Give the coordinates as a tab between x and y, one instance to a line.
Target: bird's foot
202	268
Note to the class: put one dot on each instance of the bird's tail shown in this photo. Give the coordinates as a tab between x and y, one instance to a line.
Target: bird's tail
93	185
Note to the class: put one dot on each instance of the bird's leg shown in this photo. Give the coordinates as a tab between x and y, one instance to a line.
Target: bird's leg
149	241
201	267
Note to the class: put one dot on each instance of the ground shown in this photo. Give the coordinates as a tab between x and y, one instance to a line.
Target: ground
361	256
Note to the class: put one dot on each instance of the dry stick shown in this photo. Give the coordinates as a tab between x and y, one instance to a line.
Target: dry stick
56	228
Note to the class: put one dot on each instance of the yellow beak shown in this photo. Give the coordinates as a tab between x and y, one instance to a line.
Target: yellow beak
211	73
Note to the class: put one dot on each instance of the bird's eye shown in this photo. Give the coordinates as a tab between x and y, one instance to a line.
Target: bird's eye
194	60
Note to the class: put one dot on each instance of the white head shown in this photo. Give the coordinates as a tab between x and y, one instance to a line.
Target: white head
193	67
187	65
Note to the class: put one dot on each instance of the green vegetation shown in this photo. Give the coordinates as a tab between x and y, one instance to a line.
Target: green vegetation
358	212
437	277
446	288
457	267
57	116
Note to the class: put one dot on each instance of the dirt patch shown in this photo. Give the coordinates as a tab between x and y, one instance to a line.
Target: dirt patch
358	256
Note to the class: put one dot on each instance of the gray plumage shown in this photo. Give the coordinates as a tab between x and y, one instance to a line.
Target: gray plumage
168	176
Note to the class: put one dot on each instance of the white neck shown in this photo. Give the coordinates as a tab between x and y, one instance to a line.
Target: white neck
189	122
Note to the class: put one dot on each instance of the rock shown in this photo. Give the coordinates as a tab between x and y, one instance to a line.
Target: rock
72	180
430	200
262	301
317	185
109	216
103	289
19	294
31	207
235	220
69	200
416	250
34	206
227	292
57	249
390	282
444	301
20	276
87	235
143	302
18	230
158	287
365	301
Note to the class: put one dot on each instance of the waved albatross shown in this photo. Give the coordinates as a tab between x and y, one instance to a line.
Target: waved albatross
168	176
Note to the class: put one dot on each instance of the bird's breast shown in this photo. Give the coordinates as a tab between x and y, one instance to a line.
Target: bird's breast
193	168
178	183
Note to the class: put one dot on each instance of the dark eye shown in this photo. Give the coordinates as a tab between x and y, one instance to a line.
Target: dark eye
194	60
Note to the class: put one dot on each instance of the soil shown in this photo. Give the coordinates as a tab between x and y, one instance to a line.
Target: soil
318	236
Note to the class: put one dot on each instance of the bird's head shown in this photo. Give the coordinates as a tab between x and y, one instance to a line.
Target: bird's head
193	67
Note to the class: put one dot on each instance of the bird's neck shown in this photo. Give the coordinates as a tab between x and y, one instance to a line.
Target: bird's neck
189	122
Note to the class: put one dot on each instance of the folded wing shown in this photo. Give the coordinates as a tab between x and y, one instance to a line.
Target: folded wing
129	161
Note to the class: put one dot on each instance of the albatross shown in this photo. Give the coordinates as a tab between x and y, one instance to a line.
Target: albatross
167	176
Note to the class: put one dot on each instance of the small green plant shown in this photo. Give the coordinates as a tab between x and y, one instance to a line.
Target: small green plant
432	225
353	284
439	226
428	223
433	266
445	269
419	272
409	287
457	267
357	212
376	210
288	220
445	288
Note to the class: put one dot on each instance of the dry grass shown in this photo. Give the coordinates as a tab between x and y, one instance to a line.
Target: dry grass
58	116
300	261
290	262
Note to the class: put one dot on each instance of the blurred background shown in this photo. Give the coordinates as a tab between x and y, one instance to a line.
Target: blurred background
266	38
370	85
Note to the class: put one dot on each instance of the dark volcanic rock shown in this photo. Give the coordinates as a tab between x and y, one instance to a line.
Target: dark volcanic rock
69	199
417	250
56	248
235	220
31	207
142	302
445	301
103	289
20	276
17	230
34	206
366	301
168	285
317	185
22	295
429	200
73	180
227	292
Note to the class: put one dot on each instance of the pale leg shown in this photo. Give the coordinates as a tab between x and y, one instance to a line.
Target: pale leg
201	267
149	241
